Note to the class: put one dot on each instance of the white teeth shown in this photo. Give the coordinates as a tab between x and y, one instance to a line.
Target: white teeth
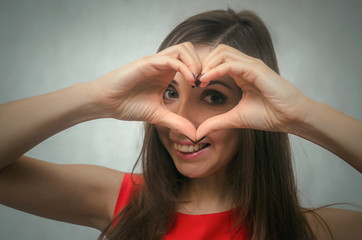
184	148
188	148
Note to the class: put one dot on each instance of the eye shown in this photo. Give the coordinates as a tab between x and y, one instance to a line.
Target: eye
170	93
213	97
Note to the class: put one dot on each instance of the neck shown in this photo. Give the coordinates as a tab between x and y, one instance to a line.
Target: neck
205	195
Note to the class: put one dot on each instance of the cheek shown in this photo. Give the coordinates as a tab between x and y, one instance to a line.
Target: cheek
163	133
172	106
228	141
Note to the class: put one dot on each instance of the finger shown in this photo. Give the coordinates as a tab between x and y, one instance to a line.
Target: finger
224	57
166	62
192	51
243	73
217	56
214	53
226	52
220	122
186	53
214	73
190	57
179	124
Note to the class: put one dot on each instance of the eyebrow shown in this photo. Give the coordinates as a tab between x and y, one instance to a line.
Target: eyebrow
174	82
213	82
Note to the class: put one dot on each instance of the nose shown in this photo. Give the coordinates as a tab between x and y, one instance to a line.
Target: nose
190	111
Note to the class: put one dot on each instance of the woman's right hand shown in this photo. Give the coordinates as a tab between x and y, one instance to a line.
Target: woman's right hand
134	92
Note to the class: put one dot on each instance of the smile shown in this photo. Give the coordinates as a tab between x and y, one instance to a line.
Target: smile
189	148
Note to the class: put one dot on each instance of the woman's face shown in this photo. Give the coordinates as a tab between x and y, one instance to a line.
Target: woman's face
214	152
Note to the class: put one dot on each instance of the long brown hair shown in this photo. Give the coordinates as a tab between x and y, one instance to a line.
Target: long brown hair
261	174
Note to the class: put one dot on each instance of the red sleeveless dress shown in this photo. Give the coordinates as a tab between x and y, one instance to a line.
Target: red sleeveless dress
215	226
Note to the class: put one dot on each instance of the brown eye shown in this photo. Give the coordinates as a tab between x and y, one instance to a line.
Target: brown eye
170	93
214	97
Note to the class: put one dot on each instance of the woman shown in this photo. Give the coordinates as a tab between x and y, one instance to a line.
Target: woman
216	161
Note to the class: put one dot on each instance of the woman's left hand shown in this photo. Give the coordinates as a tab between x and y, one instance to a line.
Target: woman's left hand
269	102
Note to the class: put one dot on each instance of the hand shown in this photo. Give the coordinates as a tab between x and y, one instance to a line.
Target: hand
269	102
135	91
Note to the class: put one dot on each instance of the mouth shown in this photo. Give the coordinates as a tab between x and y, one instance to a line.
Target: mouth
189	148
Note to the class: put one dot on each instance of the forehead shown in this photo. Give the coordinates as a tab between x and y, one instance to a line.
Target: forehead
203	50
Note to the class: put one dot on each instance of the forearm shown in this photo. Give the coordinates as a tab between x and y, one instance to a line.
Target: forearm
28	122
333	130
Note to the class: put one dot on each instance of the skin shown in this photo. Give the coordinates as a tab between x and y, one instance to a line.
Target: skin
86	195
207	168
223	143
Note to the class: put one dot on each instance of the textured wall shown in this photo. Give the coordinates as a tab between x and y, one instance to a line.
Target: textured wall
48	45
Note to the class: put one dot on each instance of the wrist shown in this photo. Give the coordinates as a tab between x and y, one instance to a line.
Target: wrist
306	122
334	131
299	115
94	106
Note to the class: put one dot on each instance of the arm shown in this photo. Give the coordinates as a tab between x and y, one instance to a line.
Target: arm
332	130
78	194
342	224
28	122
132	92
61	192
271	103
83	194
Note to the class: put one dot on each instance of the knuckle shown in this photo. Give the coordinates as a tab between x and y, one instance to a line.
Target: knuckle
222	46
170	50
227	68
225	47
187	44
212	128
258	61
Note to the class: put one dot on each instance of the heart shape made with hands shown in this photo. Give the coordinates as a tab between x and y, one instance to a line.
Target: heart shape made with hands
268	101
213	123
266	109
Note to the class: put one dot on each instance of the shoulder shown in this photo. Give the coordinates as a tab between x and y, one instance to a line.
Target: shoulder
340	223
130	184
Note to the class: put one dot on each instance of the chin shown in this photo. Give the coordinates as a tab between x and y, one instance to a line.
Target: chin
192	171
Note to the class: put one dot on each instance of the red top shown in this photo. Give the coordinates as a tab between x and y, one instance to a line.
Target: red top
215	226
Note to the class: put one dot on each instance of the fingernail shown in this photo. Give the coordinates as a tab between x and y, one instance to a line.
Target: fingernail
197	140
197	79
201	139
197	82
203	84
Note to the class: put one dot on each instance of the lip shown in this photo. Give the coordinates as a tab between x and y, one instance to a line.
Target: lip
189	156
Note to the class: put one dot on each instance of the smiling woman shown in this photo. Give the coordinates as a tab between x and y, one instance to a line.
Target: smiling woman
216	158
212	154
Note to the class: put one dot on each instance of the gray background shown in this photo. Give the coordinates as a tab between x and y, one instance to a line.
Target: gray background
48	45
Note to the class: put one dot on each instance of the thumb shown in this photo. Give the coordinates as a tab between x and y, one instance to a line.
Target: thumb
220	122
179	124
